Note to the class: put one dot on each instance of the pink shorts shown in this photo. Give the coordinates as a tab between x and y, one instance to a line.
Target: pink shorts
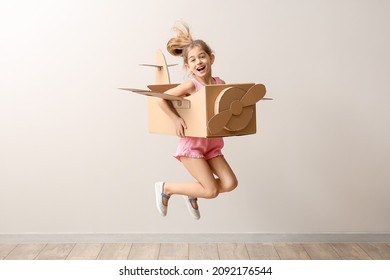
197	147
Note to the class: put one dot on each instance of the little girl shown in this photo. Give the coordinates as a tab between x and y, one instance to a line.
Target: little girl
202	157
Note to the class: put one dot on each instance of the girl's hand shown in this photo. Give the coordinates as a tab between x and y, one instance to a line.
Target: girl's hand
180	127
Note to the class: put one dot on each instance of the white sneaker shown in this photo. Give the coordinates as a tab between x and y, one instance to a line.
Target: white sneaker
194	212
159	189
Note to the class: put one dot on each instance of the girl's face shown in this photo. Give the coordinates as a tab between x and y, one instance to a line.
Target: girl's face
199	62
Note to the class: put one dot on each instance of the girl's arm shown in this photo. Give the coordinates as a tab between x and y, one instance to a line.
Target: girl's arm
183	89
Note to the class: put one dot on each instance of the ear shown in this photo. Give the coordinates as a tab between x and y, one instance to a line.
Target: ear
187	68
212	58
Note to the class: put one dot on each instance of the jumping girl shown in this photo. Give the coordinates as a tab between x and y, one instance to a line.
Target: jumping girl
202	157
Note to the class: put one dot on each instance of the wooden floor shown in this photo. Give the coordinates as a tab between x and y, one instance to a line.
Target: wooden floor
197	251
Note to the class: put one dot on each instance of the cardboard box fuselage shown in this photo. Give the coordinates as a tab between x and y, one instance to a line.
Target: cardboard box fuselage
202	109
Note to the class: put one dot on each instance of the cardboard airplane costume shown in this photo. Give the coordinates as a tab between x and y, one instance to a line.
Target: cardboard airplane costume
214	111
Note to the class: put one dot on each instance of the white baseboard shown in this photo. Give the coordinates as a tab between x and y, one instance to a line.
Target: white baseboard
349	237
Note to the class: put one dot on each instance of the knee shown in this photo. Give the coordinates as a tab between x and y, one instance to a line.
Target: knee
211	194
231	184
234	184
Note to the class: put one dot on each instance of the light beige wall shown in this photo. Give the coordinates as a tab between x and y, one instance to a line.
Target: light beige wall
75	154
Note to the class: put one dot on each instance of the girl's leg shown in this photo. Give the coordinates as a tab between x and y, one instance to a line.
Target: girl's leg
227	178
205	187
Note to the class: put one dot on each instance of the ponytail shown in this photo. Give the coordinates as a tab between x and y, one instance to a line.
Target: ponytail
183	39
182	43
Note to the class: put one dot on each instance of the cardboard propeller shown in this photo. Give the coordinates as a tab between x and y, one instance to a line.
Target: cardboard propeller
233	110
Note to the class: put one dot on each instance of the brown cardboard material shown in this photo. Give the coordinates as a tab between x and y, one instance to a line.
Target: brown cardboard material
202	110
214	111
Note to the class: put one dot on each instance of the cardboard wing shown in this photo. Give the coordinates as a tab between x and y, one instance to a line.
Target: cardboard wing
157	91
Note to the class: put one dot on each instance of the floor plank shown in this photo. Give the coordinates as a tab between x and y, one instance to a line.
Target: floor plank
321	251
291	251
5	249
232	251
115	251
55	251
203	251
196	251
144	251
376	251
350	251
173	251
25	252
89	251
262	251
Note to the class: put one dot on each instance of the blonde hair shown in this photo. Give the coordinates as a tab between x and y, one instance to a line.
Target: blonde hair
182	43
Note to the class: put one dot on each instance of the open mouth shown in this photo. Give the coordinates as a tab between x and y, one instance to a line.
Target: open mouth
200	68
